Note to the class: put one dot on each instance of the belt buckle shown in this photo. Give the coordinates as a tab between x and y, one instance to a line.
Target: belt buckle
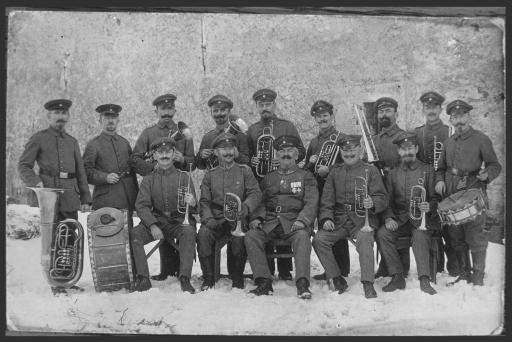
63	174
347	207
278	209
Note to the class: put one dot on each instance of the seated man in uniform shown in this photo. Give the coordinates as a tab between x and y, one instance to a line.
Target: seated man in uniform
157	207
287	211
397	217
340	214
231	177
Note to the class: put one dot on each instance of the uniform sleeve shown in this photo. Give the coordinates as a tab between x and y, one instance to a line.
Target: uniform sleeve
252	191
83	185
188	155
377	191
94	176
310	208
389	212
138	163
26	162
302	151
260	211
243	149
205	201
192	210
328	200
250	143
144	204
309	152
200	162
492	166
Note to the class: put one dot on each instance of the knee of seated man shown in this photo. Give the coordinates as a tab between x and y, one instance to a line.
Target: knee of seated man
188	231
364	238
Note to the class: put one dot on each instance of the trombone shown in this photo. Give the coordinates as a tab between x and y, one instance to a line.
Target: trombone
360	193
416	197
371	151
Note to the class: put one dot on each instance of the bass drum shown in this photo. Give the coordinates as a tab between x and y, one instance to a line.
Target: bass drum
109	249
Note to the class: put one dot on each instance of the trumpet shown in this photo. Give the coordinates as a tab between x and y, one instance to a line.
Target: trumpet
371	151
232	208
182	206
185	221
417	196
360	193
328	153
438	148
265	151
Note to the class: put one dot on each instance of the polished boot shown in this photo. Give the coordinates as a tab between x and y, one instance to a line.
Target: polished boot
237	274
185	285
425	285
166	260
264	287
464	270
284	265
405	258
303	288
369	290
207	268
478	267
396	283
340	284
142	283
320	276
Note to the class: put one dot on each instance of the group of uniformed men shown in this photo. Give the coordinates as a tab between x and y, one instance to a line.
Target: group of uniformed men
284	203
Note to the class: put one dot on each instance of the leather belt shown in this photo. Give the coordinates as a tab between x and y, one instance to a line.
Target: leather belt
279	209
61	175
460	173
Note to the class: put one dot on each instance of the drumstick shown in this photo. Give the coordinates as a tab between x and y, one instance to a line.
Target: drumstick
154	248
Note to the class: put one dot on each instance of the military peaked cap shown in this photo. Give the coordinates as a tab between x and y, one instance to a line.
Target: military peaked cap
166	98
458	105
220	99
264	95
58	104
432	97
385	102
320	107
224	140
110	108
405	137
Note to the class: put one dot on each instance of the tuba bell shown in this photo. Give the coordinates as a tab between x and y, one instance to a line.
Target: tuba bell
265	151
62	243
328	153
232	208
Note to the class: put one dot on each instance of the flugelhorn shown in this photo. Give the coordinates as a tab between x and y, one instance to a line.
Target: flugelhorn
265	151
417	196
371	151
438	148
232	208
182	206
360	193
62	243
328	153
185	221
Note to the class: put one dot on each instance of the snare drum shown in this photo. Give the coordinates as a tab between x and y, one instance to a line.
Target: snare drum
462	207
109	249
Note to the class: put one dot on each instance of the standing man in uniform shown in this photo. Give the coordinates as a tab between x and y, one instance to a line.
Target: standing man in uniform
182	157
235	178
157	207
387	114
339	219
322	112
106	160
460	168
435	129
269	122
397	217
60	164
287	211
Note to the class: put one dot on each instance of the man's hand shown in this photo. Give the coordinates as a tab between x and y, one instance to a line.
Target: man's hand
297	225
211	224
255	161
424	207
178	157
391	224
85	208
255	224
323	171
243	213
328	225
205	153
440	188
482	175
313	159
275	163
112	178
368	202
156	232
39	185
189	199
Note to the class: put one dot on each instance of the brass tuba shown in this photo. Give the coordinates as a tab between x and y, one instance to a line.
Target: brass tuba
328	153
232	208
62	243
265	151
417	195
360	193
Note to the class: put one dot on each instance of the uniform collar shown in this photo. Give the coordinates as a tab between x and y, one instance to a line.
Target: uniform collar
109	136
167	171
355	166
466	134
272	118
226	167
414	165
290	170
435	126
327	132
56	132
390	131
162	124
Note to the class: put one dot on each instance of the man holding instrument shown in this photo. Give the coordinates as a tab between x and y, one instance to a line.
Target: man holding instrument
460	168
157	206
411	188
353	195
327	141
228	177
143	164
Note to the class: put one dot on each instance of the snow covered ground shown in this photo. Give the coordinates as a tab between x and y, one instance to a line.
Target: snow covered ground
458	310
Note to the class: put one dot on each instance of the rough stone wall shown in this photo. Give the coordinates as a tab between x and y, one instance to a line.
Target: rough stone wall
130	58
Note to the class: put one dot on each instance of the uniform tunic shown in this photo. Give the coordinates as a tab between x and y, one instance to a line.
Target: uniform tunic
388	152
56	152
425	136
206	143
106	154
152	133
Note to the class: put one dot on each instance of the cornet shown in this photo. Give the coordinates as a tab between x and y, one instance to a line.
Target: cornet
438	148
182	206
185	221
328	153
232	208
265	151
360	193
417	196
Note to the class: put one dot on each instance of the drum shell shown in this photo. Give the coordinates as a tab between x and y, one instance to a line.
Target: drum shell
109	250
462	207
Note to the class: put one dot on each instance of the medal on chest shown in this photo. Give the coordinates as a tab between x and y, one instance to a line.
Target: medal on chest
296	187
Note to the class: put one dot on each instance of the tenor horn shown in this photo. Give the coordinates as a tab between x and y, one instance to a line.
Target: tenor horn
360	193
232	208
417	195
265	151
328	153
62	243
